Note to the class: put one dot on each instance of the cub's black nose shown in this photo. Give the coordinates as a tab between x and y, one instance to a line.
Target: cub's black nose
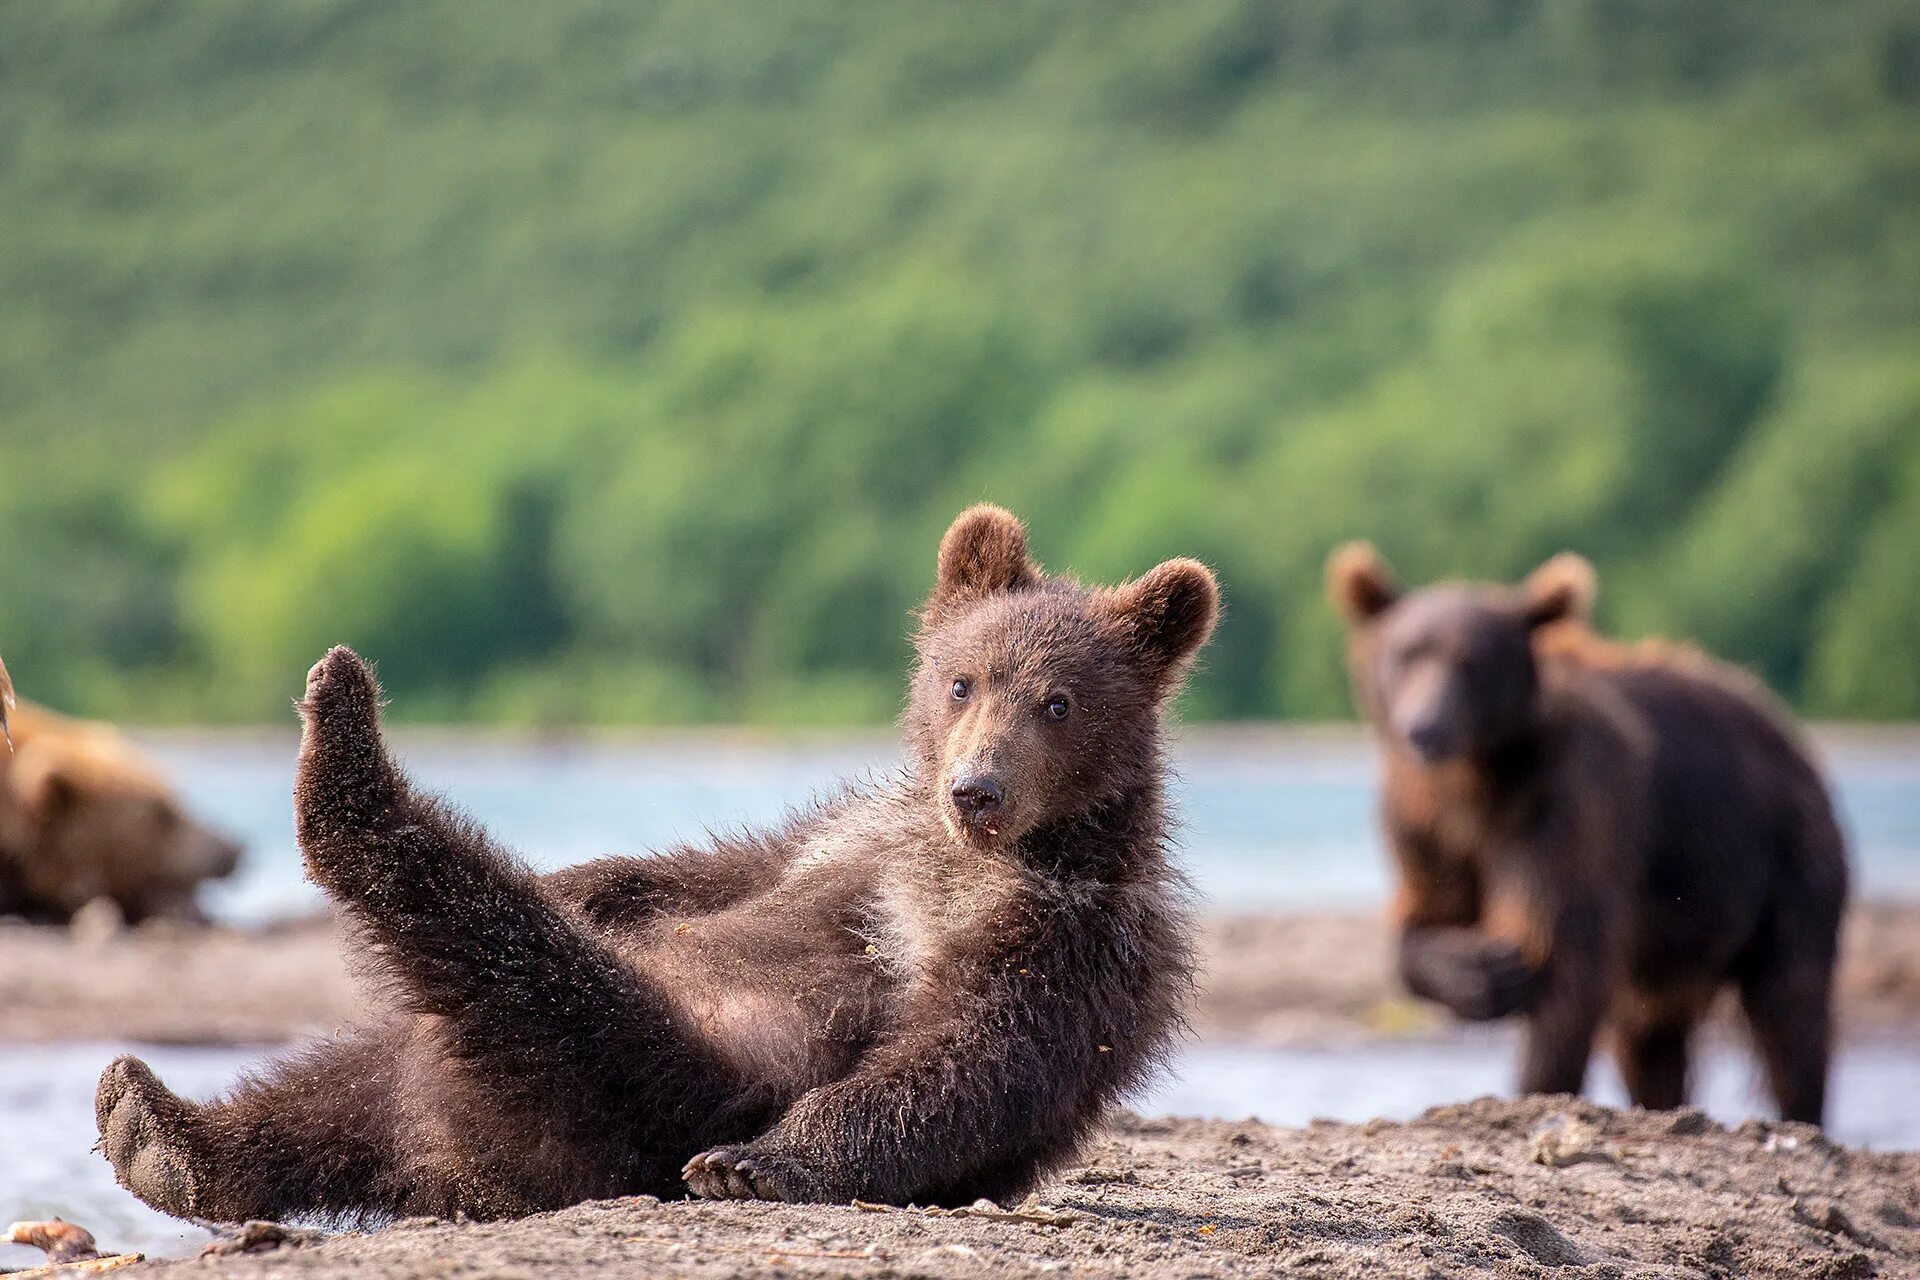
975	798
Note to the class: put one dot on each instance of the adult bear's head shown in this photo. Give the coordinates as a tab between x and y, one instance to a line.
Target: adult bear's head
1448	671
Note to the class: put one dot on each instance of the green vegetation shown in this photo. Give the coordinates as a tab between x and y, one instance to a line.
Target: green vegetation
597	361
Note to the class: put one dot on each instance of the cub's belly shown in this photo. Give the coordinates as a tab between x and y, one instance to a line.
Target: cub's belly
790	1017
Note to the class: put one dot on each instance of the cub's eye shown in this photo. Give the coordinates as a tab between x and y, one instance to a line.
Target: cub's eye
962	688
1057	709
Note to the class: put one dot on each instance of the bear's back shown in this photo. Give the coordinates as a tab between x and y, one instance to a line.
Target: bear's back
1737	813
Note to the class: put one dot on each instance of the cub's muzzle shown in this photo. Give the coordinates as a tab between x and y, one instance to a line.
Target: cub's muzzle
976	798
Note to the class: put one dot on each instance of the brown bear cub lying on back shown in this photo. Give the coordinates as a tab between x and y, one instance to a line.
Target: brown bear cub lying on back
924	990
1595	834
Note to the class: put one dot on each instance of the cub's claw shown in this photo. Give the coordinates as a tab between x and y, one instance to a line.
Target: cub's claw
741	1173
146	1131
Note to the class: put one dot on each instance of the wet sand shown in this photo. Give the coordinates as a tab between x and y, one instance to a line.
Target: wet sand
1328	980
1534	1187
1529	1187
1286	980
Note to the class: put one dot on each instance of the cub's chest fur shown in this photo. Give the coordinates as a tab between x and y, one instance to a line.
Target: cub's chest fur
794	984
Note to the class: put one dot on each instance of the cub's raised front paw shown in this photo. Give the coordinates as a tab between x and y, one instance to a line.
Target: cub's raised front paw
147	1131
342	695
1478	977
749	1173
345	784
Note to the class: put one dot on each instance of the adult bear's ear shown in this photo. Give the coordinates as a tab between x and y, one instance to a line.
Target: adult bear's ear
1167	615
984	551
1359	583
1564	587
42	787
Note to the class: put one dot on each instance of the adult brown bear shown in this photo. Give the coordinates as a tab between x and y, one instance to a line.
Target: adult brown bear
925	989
1595	834
83	815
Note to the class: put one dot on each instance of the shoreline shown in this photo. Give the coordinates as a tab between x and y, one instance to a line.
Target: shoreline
1318	979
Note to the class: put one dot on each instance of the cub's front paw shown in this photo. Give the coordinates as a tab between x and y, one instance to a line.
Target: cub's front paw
344	785
750	1172
341	706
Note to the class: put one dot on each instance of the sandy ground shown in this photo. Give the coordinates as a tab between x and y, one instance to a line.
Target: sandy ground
1533	1187
1518	1188
1270	979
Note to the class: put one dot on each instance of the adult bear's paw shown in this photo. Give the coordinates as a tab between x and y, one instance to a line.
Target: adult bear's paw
1480	978
751	1172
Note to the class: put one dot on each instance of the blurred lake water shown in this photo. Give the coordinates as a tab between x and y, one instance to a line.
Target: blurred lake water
1278	820
1274	818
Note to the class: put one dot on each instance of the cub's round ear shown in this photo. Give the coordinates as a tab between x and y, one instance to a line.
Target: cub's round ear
984	551
1564	587
1359	583
1167	615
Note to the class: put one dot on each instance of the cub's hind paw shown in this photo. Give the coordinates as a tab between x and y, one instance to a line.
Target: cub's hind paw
746	1173
147	1132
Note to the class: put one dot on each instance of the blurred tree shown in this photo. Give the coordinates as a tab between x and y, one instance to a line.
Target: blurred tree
589	361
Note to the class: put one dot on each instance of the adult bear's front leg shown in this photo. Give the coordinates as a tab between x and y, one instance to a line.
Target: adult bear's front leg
1478	977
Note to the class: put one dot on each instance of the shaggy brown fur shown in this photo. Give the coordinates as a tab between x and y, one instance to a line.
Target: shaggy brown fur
82	816
1592	833
926	989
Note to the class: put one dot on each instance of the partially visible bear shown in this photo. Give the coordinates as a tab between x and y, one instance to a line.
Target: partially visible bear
1594	834
925	989
83	816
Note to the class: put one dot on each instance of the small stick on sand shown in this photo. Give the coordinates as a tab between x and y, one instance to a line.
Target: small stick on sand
85	1267
6	704
69	1248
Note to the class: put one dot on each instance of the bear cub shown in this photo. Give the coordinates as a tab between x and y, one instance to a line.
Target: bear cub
1595	835
925	989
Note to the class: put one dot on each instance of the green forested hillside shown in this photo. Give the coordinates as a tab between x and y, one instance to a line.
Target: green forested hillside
623	361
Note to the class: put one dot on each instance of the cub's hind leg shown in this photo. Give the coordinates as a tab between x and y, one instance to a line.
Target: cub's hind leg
1786	995
314	1136
1786	973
